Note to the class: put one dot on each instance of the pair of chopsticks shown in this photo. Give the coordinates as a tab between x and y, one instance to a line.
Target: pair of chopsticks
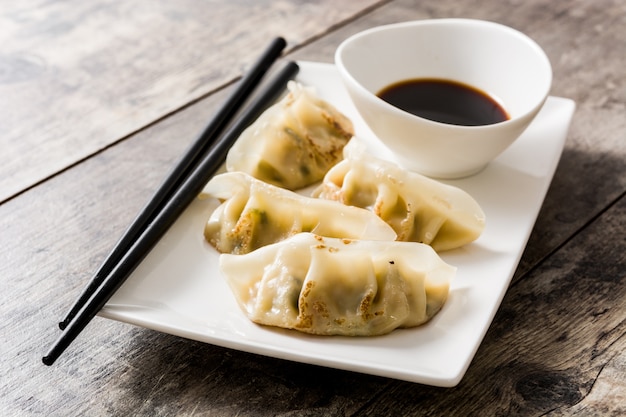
180	188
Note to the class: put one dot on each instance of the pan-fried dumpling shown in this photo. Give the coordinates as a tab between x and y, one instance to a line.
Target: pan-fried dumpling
330	286
418	208
254	214
294	142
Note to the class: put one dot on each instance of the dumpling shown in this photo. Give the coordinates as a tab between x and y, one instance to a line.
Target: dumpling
329	286
294	142
254	214
418	208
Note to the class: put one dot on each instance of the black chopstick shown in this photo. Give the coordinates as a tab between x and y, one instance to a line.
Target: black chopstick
184	167
181	198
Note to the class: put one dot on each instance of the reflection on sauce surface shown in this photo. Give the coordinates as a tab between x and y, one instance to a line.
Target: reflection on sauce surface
445	101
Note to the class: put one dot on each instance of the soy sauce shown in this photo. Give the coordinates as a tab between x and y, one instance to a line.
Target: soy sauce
445	101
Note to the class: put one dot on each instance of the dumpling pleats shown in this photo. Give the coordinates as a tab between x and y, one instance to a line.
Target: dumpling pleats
330	286
418	208
253	214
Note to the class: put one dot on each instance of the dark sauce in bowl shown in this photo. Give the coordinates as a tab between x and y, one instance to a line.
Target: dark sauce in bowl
445	101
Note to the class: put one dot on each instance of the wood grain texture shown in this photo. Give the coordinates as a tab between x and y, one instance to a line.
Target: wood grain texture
75	76
556	346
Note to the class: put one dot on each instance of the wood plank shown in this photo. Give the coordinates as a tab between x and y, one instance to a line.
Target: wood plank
77	76
580	38
54	236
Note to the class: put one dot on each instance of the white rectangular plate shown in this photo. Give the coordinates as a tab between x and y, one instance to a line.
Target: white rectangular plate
178	288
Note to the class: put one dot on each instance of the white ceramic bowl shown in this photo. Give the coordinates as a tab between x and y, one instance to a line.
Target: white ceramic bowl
496	59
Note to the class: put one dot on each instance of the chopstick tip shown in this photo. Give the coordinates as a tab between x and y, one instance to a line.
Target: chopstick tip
281	41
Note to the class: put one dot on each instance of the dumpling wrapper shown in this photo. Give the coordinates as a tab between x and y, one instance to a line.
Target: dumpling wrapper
254	214
294	142
330	286
418	208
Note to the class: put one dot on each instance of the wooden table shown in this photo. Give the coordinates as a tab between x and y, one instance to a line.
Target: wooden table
98	100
